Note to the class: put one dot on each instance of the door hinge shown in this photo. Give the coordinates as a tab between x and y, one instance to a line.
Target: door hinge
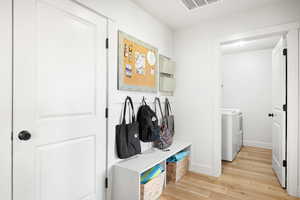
106	113
284	163
12	136
106	182
284	107
107	43
284	52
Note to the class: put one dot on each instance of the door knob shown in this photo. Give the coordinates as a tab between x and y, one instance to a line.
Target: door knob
24	135
271	115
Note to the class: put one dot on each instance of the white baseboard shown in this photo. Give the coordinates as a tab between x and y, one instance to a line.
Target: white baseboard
295	192
201	169
252	143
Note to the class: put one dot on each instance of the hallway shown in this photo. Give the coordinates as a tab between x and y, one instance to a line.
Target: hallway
249	177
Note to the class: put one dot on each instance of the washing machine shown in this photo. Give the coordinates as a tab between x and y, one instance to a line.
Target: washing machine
232	136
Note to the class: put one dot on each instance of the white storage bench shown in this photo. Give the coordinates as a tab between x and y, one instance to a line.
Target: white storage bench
127	173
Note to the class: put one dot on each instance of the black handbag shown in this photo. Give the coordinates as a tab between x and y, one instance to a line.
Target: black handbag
127	135
166	135
169	116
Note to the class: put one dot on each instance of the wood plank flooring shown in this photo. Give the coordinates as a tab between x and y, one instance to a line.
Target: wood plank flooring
249	177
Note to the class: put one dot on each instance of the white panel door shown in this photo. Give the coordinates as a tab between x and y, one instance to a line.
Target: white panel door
279	115
5	97
59	101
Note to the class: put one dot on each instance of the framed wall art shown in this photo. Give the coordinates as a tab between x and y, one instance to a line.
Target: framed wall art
137	65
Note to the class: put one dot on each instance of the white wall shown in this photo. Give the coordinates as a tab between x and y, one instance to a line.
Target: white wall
135	21
247	85
196	76
127	17
5	97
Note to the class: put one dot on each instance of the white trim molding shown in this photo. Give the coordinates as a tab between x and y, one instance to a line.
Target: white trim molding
252	143
299	114
201	169
6	99
292	31
293	112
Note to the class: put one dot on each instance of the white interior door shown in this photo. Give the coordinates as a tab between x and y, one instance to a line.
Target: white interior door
59	101
279	115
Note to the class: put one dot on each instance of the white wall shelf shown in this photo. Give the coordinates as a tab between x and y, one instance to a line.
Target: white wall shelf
166	75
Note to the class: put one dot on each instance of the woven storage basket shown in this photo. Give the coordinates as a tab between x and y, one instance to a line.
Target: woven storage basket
154	188
176	170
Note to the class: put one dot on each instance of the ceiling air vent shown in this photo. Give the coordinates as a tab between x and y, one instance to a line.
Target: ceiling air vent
193	4
200	2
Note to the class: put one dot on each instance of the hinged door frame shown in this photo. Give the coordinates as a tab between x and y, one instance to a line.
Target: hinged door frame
6	55
292	31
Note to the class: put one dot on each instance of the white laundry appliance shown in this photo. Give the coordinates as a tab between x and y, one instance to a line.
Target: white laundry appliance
232	133
240	131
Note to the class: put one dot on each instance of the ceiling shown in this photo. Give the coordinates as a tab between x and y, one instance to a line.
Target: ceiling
176	16
250	45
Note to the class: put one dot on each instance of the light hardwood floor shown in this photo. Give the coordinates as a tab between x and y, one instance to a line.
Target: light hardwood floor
249	177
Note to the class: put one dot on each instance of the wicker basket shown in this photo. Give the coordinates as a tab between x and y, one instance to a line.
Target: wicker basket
176	170
154	188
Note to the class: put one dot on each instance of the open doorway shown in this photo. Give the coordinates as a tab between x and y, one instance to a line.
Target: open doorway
292	36
254	105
